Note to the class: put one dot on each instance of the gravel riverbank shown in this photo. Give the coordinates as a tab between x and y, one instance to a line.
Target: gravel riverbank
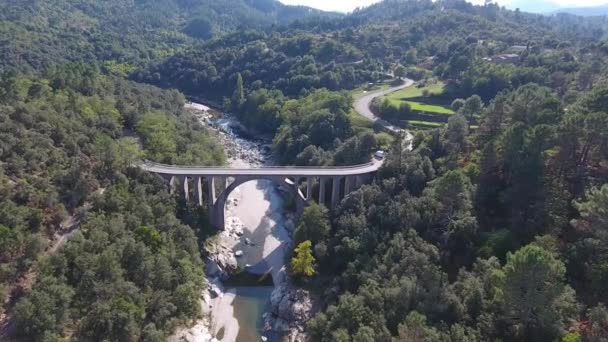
256	238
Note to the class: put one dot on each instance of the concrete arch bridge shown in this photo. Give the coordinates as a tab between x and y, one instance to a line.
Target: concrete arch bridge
334	183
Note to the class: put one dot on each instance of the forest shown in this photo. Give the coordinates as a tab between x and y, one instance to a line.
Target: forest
491	226
67	156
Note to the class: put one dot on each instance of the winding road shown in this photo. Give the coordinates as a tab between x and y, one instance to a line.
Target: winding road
362	106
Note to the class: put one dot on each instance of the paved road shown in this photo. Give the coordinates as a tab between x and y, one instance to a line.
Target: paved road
362	106
371	167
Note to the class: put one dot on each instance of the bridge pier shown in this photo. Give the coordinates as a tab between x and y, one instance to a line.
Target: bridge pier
223	183
171	184
322	190
353	176
211	191
335	192
198	191
216	214
347	184
358	182
309	182
183	184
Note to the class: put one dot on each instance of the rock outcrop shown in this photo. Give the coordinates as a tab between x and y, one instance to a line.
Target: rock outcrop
291	308
221	264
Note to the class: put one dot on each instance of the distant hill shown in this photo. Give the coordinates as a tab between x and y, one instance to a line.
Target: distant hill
585	11
536	6
34	33
550	7
394	10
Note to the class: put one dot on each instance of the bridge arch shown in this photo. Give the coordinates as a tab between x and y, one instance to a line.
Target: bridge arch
218	209
337	182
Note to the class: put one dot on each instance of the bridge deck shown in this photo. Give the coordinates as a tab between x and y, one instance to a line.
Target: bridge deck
370	167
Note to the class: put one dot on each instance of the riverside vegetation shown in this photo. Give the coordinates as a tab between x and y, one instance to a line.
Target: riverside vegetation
492	228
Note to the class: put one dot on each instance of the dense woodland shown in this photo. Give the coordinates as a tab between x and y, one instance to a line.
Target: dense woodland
491	228
36	34
491	236
68	146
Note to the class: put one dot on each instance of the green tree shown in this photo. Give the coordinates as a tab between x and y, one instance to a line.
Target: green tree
200	27
116	156
514	183
238	97
472	106
150	236
582	145
340	335
594	213
159	133
457	104
411	57
416	329
598	325
314	225
572	337
187	299
590	252
453	191
303	263
8	241
457	134
537	302
400	71
364	334
46	309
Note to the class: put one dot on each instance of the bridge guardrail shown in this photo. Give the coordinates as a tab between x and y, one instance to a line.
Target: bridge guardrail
177	167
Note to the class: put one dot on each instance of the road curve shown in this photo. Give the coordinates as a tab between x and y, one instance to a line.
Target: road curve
362	105
172	170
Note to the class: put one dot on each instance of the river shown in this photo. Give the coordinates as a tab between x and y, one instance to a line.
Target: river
258	207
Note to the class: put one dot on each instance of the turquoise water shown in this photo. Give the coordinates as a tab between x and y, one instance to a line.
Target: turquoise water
249	305
253	287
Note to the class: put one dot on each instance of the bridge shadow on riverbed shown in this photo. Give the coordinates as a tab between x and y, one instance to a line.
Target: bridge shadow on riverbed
253	286
269	236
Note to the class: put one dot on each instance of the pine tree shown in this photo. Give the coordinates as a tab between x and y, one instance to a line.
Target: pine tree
238	98
535	296
303	263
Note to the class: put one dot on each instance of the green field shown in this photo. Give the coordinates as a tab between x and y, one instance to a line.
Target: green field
362	124
408	94
423	107
414	92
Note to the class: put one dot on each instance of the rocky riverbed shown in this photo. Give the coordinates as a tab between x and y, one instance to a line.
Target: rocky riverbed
257	236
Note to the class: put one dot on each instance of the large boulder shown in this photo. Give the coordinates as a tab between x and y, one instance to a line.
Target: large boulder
212	269
221	264
216	288
291	309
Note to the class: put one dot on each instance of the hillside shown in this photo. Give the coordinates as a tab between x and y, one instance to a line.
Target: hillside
585	11
489	225
551	7
357	48
37	34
